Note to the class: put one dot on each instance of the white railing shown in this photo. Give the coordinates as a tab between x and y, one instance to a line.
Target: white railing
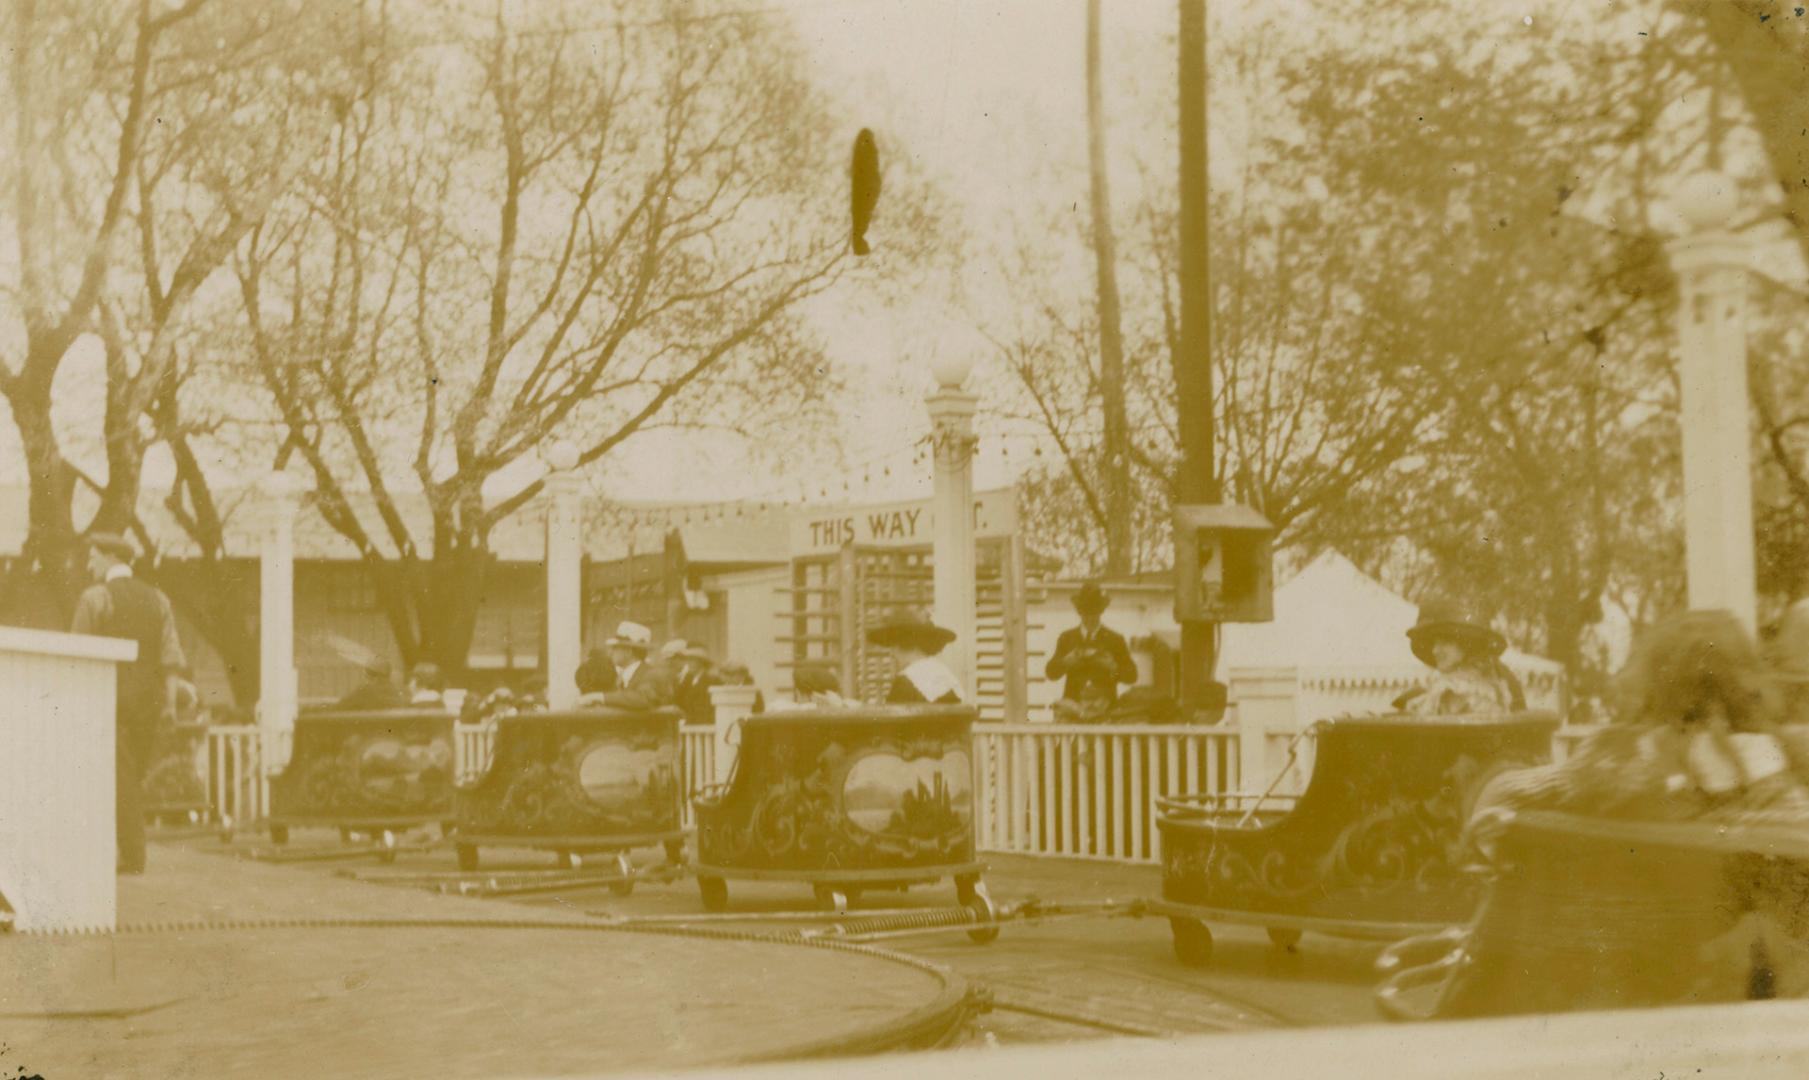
238	787
697	761
473	745
1090	790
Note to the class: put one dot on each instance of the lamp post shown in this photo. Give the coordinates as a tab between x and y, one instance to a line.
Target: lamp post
952	512
276	613
564	584
1712	264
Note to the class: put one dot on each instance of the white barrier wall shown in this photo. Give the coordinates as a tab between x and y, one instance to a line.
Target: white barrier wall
58	853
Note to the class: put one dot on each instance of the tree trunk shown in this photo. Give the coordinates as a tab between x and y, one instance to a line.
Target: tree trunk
41	589
1115	472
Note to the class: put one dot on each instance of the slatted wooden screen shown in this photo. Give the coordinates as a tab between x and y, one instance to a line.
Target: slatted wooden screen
835	599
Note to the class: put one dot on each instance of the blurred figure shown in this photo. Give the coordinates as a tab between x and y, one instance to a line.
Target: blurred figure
692	682
915	643
734	673
426	686
816	686
1465	655
377	691
119	605
1091	656
596	674
1696	736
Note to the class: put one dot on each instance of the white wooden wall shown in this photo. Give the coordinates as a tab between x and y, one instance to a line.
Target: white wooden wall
58	854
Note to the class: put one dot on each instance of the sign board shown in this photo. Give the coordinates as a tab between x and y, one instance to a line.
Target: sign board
907	524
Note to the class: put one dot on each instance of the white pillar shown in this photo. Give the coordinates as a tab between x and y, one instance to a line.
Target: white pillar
1712	265
276	614
952	513
1265	702
564	576
731	703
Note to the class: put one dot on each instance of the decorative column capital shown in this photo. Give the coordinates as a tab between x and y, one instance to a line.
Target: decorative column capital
952	426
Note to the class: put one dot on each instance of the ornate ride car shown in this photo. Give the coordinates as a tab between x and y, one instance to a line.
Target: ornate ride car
1369	849
847	799
373	771
587	780
175	784
1590	913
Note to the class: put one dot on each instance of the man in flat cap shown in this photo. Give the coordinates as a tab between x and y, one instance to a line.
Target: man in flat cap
119	605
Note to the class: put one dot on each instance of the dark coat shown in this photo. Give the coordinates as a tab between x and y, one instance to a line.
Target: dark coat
1106	662
650	687
691	693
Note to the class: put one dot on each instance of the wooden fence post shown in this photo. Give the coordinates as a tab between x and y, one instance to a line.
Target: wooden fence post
731	704
1265	699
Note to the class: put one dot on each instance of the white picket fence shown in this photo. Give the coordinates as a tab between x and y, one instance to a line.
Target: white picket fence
238	768
1087	791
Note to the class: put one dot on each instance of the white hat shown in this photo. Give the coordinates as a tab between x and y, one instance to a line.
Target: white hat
672	648
633	635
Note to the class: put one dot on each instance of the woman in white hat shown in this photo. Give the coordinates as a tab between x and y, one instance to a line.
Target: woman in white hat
922	678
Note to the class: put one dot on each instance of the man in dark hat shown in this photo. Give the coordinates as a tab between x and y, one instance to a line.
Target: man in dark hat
1091	655
119	605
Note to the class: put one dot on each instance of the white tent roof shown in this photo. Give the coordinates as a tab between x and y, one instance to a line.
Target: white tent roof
1332	616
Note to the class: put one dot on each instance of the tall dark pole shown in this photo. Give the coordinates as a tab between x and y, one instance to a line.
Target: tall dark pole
1198	481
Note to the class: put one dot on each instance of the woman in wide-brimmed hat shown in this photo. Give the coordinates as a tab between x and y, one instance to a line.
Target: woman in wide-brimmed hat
1465	655
915	642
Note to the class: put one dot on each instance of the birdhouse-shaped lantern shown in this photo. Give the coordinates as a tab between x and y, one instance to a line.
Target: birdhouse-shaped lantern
1223	564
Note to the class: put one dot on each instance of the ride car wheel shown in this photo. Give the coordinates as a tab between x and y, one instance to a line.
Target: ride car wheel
715	892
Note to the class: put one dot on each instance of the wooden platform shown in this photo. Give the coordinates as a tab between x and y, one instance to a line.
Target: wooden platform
369	981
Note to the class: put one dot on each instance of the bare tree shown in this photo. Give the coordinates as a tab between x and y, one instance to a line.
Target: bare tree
539	230
148	140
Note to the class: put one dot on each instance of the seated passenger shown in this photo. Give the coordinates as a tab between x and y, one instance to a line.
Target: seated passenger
915	643
1696	738
376	692
638	684
426	686
596	674
1465	655
691	684
815	686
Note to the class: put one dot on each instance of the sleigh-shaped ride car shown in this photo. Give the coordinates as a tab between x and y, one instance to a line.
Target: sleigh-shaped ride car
577	782
847	800
1591	913
378	771
1369	849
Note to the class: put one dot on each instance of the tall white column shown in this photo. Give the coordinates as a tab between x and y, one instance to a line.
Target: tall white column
276	612
564	584
952	508
1712	264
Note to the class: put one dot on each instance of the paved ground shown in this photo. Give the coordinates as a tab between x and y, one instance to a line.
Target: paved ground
1061	979
254	994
